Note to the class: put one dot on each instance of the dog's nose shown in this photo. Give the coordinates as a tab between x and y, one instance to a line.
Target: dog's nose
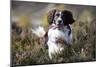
59	21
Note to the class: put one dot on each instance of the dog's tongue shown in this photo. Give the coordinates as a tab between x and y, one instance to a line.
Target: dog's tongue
53	26
56	26
59	25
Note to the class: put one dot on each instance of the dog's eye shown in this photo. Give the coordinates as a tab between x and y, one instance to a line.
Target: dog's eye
57	14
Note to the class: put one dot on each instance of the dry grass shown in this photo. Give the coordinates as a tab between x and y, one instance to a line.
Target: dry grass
27	49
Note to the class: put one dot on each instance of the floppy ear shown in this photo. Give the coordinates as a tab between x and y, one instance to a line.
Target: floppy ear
67	17
50	16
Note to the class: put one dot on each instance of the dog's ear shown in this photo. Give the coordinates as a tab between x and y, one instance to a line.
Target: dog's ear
50	16
67	17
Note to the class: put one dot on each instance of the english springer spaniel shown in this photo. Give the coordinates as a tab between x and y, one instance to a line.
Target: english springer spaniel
60	31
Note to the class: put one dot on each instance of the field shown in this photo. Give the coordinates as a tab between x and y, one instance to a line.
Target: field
28	49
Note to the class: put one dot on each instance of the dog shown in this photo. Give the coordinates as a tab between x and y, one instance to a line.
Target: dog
59	34
60	31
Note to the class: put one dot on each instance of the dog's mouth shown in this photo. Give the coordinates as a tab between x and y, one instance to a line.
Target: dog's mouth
54	26
59	25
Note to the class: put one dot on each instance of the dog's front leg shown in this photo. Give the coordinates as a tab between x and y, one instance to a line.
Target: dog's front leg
50	56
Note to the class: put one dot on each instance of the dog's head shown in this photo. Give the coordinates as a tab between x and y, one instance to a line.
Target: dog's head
59	17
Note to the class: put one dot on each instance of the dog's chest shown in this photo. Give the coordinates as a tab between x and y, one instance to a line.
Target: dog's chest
54	34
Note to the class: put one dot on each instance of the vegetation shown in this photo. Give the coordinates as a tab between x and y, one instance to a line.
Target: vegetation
27	49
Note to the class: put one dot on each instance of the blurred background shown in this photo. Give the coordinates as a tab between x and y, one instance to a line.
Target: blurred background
28	49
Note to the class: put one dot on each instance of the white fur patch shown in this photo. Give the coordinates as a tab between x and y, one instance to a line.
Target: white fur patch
53	35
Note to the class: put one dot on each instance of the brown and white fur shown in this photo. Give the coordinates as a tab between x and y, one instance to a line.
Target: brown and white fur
60	32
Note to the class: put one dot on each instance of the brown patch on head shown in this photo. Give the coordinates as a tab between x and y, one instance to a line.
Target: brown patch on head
67	16
50	16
